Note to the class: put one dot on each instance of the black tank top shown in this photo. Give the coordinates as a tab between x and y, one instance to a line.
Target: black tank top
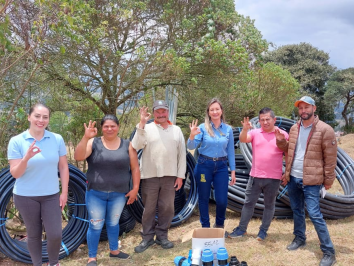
109	170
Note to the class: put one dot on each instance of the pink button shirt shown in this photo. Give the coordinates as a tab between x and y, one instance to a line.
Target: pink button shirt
267	158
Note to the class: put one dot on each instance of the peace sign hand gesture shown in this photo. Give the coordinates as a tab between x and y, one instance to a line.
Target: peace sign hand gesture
246	124
90	130
194	129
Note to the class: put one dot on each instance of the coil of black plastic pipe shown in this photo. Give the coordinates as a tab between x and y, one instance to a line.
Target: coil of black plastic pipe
332	206
126	224
184	202
73	234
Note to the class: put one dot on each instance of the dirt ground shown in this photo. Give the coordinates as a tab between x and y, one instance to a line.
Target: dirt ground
271	252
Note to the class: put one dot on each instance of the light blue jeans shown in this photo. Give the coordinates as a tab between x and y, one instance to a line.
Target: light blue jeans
103	207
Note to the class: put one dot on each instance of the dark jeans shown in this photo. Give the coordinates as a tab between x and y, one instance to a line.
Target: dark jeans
206	172
103	207
35	211
255	186
299	195
157	193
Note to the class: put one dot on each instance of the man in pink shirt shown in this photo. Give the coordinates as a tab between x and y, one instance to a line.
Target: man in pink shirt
266	172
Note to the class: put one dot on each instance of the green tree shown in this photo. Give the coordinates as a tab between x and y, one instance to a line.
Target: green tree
269	85
112	52
310	67
22	32
341	88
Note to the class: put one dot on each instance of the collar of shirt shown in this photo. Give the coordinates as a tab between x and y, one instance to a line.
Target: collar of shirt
159	125
168	121
27	135
221	124
304	126
262	131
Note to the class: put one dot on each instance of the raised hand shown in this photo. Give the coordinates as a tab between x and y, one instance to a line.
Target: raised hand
90	130
278	134
194	128
144	115
32	150
246	124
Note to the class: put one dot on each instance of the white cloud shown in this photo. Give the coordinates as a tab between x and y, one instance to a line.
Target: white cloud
326	24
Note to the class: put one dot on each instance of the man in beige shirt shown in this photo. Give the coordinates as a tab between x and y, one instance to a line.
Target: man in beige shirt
163	167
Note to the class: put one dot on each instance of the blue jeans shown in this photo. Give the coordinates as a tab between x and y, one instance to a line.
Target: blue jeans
206	172
103	207
299	195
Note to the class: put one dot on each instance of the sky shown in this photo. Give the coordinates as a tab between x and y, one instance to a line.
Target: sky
326	24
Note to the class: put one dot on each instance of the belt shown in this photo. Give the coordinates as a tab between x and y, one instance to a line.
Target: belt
214	158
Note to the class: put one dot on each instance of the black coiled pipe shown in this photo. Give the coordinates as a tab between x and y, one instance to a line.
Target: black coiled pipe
74	232
185	199
332	206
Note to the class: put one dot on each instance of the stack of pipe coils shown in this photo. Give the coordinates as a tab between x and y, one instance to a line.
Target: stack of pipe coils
332	206
73	234
185	199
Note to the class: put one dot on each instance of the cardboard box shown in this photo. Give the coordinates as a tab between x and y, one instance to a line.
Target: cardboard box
212	238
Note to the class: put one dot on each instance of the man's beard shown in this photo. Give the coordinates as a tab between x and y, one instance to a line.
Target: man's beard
309	115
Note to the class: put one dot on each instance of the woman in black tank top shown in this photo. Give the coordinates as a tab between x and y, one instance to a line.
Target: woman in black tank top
111	163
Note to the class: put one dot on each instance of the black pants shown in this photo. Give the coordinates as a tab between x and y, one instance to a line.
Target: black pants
36	210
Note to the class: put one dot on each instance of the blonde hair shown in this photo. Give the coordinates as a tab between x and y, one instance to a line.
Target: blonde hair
207	122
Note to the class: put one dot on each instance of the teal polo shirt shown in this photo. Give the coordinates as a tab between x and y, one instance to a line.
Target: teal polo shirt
41	175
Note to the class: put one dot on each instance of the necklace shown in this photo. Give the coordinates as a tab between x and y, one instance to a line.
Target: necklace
220	132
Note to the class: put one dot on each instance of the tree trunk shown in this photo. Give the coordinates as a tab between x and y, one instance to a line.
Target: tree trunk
345	109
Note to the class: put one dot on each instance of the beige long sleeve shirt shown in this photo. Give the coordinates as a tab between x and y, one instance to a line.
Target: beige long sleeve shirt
164	151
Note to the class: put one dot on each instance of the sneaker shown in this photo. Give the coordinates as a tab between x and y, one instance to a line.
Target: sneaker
218	226
120	255
297	243
237	232
328	260
144	245
164	243
261	235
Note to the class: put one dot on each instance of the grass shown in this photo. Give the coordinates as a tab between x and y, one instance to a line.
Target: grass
271	252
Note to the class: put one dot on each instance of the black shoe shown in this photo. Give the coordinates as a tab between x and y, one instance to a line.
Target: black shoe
92	263
144	245
120	255
218	226
328	260
165	243
297	243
